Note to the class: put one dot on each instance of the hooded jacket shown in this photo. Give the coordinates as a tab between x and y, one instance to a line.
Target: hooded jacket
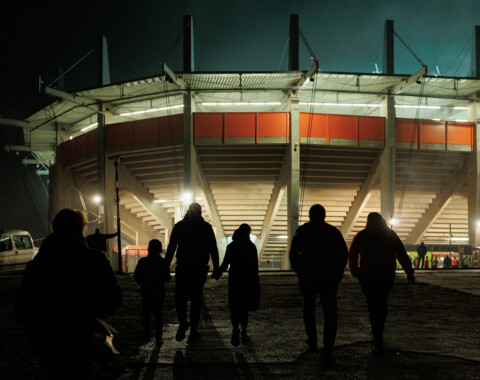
374	251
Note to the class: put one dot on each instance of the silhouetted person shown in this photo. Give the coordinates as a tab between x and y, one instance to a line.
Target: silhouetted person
421	252
378	247
64	288
151	274
318	255
454	263
194	241
243	281
447	262
98	240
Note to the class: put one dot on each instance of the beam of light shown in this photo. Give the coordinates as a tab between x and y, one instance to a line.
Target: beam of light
88	127
417	107
151	110
186	197
239	104
373	105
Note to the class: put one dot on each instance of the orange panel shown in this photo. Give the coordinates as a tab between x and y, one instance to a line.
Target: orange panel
81	146
405	128
371	128
240	124
92	144
145	131
432	132
208	124
120	135
460	133
170	127
316	122
272	124
343	127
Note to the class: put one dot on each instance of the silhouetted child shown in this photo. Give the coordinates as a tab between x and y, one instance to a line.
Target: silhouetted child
151	274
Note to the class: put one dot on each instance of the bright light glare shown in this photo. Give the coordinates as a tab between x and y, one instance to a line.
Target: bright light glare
417	107
282	237
460	238
97	199
88	127
393	222
242	104
186	197
159	201
373	105
460	108
151	110
461	121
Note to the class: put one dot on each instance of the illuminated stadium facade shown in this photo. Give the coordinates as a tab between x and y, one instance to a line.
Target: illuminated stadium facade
261	148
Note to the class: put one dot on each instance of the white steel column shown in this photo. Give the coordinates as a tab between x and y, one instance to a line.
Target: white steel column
189	154
473	175
293	181
106	182
387	160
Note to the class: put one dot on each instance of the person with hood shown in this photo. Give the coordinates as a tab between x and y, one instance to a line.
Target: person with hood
243	281
151	273
65	287
372	259
318	254
194	242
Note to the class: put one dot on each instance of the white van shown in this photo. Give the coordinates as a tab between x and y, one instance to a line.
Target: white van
16	248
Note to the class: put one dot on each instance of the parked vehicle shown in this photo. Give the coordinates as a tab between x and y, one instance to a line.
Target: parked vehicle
16	249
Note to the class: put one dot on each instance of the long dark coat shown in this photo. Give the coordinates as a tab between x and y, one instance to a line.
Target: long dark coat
243	278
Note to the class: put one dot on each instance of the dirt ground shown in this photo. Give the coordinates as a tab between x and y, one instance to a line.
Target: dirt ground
431	333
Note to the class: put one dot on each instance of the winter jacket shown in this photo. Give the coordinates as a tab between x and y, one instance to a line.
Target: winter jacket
374	251
63	289
194	241
318	252
151	273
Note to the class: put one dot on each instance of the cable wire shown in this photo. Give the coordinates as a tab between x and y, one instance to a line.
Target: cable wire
409	49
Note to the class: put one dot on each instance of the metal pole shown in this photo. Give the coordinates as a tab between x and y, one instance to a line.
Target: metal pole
450	233
119	236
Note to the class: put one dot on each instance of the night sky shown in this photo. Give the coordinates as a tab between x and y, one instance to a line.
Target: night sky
345	35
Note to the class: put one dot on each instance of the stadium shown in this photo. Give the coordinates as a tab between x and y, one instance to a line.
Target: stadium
263	147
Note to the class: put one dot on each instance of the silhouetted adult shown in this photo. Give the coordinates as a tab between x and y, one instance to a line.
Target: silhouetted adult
378	248
447	262
98	240
194	242
64	288
151	273
421	252
243	281
318	255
